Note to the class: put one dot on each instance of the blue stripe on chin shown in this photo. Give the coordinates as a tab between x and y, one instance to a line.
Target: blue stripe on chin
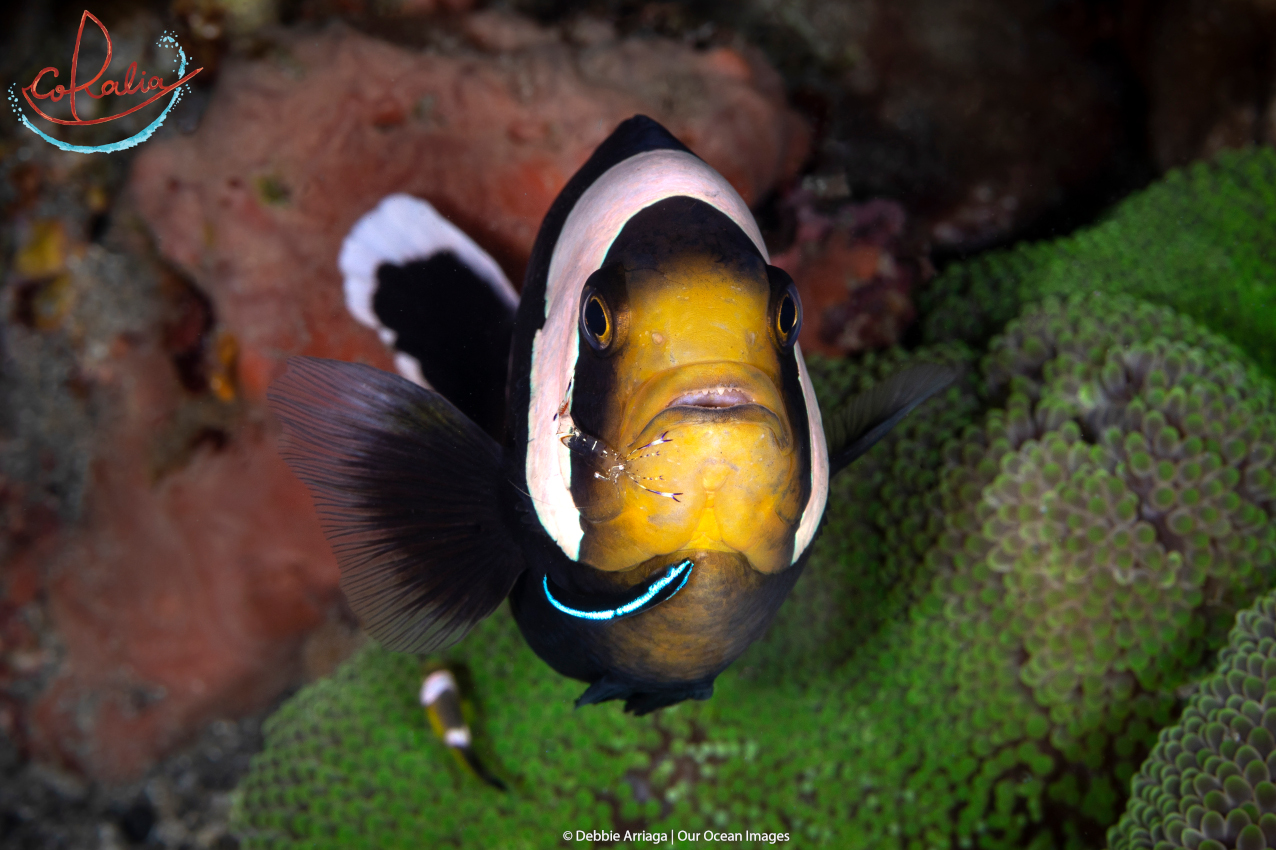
683	568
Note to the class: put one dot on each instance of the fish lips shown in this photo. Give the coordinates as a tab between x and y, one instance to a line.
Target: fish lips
738	414
721	393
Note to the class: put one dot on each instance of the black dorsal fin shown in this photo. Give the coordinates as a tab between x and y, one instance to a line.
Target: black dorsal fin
409	494
456	328
438	299
858	424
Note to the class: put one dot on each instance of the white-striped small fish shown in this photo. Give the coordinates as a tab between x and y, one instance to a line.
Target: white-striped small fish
441	699
664	466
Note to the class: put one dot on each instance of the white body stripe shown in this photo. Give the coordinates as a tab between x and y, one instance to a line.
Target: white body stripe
399	230
588	233
435	685
457	737
814	509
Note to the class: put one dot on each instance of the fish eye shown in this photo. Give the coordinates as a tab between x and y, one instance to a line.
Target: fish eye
595	320
788	316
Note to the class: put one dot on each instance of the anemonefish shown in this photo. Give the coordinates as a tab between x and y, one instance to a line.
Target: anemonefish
441	699
664	466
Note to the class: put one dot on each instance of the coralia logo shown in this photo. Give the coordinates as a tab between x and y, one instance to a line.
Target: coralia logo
133	83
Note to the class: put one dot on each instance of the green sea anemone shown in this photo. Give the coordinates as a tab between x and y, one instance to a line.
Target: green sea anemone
1208	784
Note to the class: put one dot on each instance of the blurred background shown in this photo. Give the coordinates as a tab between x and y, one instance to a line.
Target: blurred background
163	581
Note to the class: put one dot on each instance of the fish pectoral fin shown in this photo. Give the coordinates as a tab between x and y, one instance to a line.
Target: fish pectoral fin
409	493
858	424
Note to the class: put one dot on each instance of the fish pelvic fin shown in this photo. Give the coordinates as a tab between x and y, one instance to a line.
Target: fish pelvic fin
643	699
408	491
856	426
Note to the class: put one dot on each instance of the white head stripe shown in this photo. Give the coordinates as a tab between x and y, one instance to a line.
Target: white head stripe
591	227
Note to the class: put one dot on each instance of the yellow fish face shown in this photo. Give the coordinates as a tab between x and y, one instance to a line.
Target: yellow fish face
682	378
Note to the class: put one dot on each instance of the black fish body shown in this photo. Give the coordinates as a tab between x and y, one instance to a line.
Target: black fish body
665	465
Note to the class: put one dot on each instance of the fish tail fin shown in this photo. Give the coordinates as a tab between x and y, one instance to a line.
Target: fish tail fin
437	298
409	494
472	763
857	425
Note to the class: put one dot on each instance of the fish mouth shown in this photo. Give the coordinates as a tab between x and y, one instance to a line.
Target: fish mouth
713	397
721	392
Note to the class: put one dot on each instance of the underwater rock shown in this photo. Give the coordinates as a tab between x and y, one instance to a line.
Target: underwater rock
979	116
187	589
1209	76
856	274
159	565
296	146
208	27
1200	241
183	801
1049	646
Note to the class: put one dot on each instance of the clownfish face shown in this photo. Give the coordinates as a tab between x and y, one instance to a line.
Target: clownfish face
687	374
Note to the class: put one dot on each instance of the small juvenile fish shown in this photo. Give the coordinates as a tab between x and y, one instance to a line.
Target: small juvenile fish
441	699
665	465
